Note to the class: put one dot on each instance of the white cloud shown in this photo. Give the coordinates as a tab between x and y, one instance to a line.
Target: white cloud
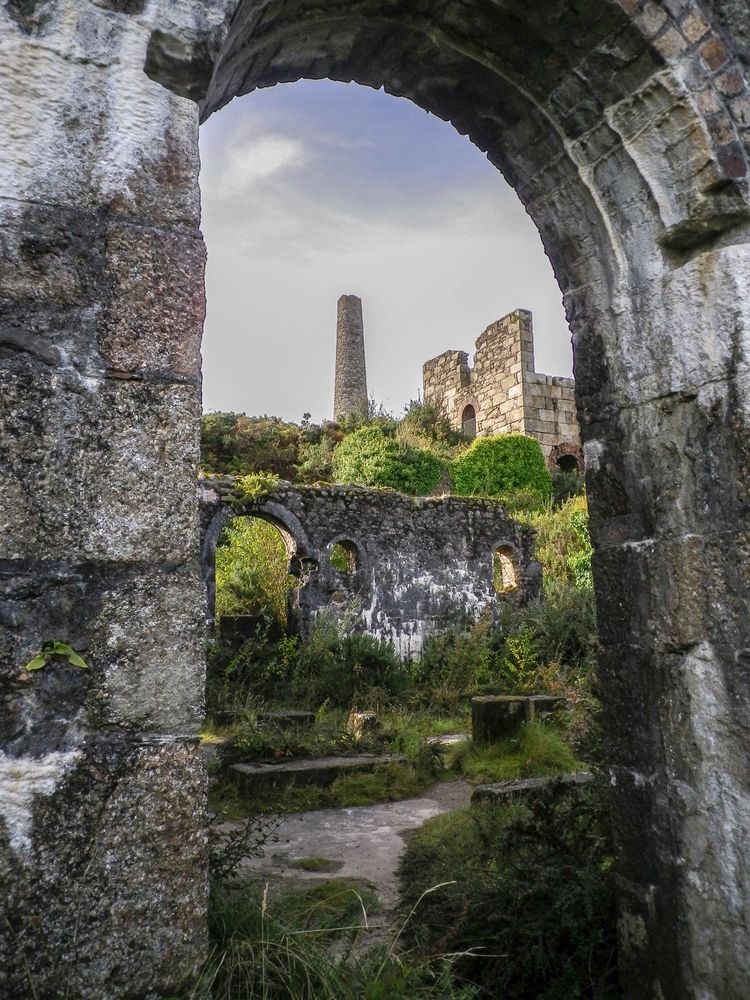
257	159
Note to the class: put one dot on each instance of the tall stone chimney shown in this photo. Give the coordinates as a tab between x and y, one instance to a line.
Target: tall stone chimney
350	394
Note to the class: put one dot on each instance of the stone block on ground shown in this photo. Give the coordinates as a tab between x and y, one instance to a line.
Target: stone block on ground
255	779
496	717
501	791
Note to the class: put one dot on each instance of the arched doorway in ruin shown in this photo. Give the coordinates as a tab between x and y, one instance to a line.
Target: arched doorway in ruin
624	129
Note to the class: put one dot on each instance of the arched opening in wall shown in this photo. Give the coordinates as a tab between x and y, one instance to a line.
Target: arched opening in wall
469	422
344	558
567	463
505	569
253	582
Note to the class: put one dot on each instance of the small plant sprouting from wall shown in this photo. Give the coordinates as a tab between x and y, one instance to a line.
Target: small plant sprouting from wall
52	649
255	485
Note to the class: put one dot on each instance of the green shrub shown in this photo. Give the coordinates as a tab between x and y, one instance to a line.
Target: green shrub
504	464
369	457
455	662
347	670
256	484
252	575
316	460
566	485
530	900
563	546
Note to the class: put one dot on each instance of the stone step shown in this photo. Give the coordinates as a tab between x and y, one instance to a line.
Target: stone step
502	791
448	739
253	779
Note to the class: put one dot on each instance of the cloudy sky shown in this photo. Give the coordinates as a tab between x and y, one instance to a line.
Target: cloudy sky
316	189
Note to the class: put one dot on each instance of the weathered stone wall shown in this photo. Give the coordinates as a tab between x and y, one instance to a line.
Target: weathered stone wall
507	395
102	826
422	563
350	392
624	126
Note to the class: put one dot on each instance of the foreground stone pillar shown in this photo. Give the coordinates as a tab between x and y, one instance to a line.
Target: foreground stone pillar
667	473
102	843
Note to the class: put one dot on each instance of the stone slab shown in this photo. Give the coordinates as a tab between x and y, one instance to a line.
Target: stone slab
254	778
505	790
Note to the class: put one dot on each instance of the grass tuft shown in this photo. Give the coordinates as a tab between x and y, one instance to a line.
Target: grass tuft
539	750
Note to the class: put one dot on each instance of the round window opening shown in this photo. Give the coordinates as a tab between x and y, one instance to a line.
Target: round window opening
567	463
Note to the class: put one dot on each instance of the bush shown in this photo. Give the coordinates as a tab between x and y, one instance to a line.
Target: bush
330	667
369	457
563	546
530	901
252	575
347	670
566	485
506	463
455	662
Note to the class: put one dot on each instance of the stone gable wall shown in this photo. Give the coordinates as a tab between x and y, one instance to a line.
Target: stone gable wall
422	562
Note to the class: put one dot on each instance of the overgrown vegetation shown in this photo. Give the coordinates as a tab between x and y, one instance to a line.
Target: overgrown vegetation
528	899
370	457
526	911
251	571
304	946
502	466
538	750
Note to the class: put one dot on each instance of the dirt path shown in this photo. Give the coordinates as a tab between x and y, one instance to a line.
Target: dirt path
360	842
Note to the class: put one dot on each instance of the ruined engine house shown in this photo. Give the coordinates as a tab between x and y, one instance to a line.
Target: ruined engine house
502	393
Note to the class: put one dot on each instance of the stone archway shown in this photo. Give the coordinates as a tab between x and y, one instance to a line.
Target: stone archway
624	129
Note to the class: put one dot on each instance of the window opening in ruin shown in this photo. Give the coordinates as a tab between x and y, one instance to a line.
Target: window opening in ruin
504	569
469	422
252	574
343	557
567	463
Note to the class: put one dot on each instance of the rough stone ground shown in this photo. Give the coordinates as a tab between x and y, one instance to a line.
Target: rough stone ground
364	843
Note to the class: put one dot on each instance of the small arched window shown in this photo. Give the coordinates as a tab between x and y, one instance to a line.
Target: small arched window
469	422
343	557
567	463
504	569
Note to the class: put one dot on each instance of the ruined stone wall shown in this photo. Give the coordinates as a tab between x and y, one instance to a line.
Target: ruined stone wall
508	396
550	411
103	851
422	564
